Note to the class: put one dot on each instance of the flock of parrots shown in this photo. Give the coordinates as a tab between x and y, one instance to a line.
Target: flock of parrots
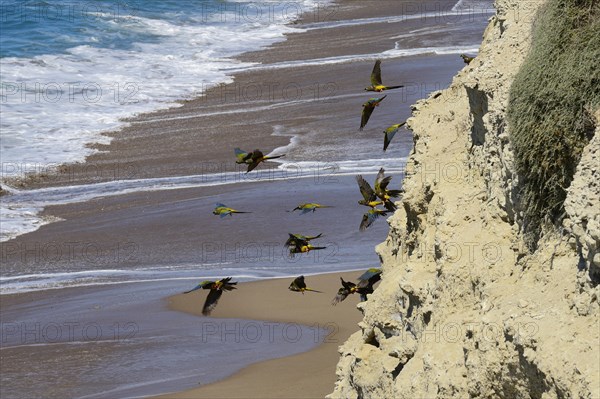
297	243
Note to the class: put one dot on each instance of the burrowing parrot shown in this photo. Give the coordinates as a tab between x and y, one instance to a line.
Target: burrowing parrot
376	84
298	285
216	290
368	108
223	210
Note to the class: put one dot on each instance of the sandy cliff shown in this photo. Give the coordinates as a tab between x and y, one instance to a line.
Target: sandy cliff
464	308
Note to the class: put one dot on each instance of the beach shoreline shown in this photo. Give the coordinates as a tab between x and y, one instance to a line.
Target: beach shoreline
309	374
266	322
170	225
176	129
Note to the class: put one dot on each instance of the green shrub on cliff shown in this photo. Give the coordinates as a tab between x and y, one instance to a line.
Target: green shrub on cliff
550	106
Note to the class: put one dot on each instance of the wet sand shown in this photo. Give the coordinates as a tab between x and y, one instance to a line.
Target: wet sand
305	375
320	104
177	228
199	135
126	340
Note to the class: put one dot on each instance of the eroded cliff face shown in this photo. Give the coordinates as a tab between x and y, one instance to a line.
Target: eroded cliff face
463	309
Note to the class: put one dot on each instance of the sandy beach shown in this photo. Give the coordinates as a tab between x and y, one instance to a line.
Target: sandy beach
198	136
159	237
75	333
306	375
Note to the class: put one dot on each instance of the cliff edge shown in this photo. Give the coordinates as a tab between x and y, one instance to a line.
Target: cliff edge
466	307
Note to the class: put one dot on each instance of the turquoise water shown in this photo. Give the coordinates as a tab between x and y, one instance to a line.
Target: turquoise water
72	69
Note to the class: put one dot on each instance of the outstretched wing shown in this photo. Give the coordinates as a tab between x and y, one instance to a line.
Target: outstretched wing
379	181
307	210
291	240
296	240
368	219
369	277
390	132
341	295
376	74
252	165
383	183
211	301
365	189
387	138
366	114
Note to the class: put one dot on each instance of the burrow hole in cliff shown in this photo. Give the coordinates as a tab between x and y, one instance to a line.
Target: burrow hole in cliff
400	367
413	301
478	104
426	317
372	340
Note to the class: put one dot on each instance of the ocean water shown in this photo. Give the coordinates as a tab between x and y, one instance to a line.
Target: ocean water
122	342
72	70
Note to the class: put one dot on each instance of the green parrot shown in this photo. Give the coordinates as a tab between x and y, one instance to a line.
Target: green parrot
216	290
368	108
467	59
308	207
223	210
381	195
364	286
369	197
298	285
252	159
382	192
376	84
299	238
299	244
390	132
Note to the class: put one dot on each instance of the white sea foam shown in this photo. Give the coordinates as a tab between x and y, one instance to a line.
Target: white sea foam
53	105
47	281
19	211
396	52
463	11
192	273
